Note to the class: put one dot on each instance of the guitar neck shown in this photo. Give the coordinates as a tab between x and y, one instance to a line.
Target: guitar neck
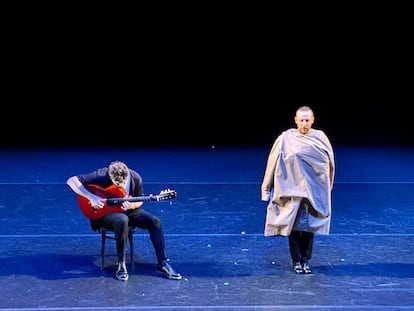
119	201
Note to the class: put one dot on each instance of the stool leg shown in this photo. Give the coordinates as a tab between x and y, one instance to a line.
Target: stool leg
103	237
131	246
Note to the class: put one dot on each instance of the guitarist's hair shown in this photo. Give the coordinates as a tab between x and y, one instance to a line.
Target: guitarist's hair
118	172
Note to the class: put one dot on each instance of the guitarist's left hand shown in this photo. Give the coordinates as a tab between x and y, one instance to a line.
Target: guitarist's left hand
131	205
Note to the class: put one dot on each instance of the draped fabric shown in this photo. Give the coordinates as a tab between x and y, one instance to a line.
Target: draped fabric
299	166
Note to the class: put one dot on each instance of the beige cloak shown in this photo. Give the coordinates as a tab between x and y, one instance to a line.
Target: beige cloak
298	166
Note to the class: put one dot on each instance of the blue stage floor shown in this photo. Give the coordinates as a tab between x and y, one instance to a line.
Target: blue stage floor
214	232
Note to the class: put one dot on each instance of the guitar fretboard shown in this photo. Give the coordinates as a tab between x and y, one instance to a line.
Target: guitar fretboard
119	201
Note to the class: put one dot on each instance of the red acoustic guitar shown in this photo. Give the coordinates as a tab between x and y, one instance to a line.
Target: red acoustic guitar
114	197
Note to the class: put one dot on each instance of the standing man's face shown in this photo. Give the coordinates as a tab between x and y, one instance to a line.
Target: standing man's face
304	121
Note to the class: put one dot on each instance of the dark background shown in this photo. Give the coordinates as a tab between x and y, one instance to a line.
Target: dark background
212	75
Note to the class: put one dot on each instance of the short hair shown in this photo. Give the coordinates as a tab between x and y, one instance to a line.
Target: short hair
305	109
118	172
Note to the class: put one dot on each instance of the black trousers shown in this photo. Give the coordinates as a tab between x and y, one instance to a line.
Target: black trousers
300	246
300	240
119	222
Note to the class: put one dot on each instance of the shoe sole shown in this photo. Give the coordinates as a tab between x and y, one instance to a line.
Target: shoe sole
170	277
122	278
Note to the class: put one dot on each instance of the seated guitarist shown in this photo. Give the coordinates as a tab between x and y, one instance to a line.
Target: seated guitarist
126	181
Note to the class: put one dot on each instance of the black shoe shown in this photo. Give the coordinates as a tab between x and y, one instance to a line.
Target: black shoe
306	269
168	271
297	268
122	273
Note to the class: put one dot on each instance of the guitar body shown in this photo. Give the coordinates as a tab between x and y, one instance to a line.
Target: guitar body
109	192
114	197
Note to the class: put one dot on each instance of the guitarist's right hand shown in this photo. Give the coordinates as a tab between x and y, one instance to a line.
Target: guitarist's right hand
96	202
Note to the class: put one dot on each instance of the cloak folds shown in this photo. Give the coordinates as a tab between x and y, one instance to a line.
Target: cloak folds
298	167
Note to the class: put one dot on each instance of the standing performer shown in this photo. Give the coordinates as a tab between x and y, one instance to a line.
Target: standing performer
297	185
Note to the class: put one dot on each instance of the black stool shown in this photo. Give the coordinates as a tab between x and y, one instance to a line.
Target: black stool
109	234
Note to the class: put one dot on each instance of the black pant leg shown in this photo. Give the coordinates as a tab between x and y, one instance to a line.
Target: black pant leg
294	246
306	245
143	219
119	223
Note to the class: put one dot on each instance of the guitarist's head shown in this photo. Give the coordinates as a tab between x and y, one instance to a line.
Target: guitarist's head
118	172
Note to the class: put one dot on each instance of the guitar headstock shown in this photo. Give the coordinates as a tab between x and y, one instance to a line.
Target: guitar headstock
166	194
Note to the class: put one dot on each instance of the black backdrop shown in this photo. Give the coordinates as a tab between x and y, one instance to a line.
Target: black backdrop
205	76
